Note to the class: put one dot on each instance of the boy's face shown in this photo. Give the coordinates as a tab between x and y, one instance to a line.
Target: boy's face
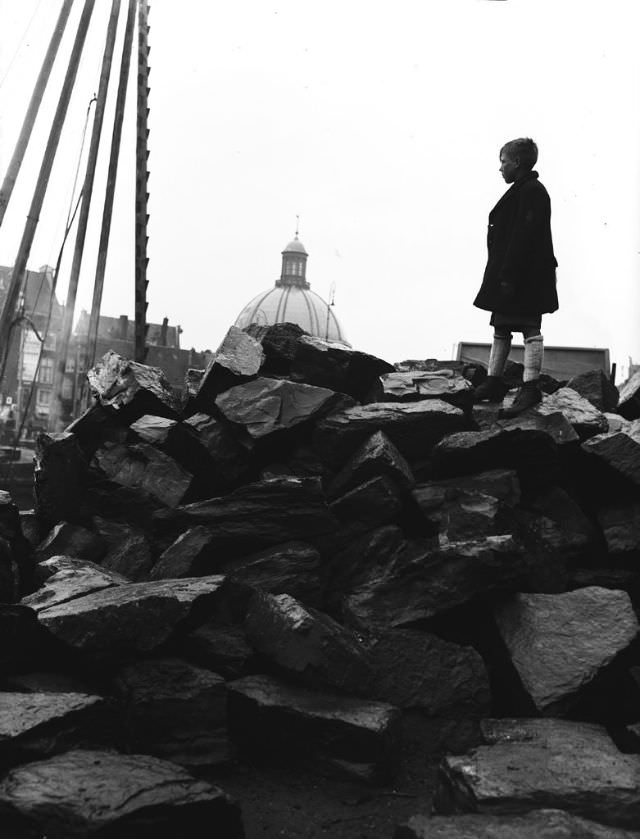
509	167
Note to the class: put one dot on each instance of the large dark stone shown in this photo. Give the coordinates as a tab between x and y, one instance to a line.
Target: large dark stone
629	400
259	514
71	540
222	649
67	579
419	670
85	793
237	359
584	417
96	426
376	456
559	643
538	824
229	461
414	427
22	639
144	467
137	617
423	581
307	644
411	386
293	568
35	725
132	389
621	528
618	452
129	551
327	733
597	388
266	406
566	524
543	763
190	555
374	503
60	473
174	711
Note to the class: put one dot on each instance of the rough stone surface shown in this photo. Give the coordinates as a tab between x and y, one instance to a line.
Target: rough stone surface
222	649
191	555
174	711
544	763
237	359
422	581
559	642
374	503
414	428
460	513
136	617
144	467
230	460
129	551
538	824
419	670
585	418
307	644
86	793
265	406
377	456
331	734
251	517
59	477
36	725
70	578
597	388
621	528
629	401
67	539
132	389
618	452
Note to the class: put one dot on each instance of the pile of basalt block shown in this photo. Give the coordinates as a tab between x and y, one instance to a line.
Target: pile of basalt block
312	557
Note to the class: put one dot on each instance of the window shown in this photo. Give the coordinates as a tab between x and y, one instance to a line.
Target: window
43	397
46	371
70	366
67	389
50	342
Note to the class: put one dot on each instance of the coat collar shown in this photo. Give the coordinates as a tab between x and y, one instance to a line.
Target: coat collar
530	176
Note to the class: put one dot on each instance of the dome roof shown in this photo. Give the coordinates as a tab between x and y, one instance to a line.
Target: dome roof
295	246
293	304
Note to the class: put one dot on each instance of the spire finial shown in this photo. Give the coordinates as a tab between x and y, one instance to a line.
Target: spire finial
297	225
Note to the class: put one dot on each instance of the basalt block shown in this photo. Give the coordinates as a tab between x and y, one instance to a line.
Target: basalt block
175	711
621	528
414	427
68	578
595	386
144	467
60	474
423	581
374	503
259	514
129	550
137	617
36	725
307	645
132	389
237	359
538	824
222	649
558	643
190	555
326	733
460	513
228	462
266	406
84	793
617	454
377	456
543	764
584	417
74	540
629	400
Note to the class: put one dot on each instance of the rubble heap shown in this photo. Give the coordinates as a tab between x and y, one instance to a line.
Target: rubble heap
313	557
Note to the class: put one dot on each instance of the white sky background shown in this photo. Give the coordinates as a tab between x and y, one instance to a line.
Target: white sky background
380	124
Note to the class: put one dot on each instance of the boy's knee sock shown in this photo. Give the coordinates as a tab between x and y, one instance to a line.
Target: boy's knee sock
533	356
499	354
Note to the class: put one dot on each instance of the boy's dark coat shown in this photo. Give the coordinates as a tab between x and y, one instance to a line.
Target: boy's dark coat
520	277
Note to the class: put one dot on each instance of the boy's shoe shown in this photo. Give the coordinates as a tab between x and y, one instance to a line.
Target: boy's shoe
493	389
527	397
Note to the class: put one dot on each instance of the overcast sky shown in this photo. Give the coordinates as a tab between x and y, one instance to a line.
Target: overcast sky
378	123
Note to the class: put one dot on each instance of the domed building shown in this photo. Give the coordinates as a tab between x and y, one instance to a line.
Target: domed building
292	301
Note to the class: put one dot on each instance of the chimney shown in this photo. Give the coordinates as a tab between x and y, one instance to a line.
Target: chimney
163	332
124	327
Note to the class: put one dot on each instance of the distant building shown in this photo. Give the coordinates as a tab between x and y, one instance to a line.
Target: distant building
27	384
291	300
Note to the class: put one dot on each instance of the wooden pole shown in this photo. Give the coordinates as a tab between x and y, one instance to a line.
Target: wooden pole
92	334
83	217
32	111
142	176
20	263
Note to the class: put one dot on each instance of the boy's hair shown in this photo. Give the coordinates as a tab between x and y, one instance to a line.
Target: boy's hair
525	149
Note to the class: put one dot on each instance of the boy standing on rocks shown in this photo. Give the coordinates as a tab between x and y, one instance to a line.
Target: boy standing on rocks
519	283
